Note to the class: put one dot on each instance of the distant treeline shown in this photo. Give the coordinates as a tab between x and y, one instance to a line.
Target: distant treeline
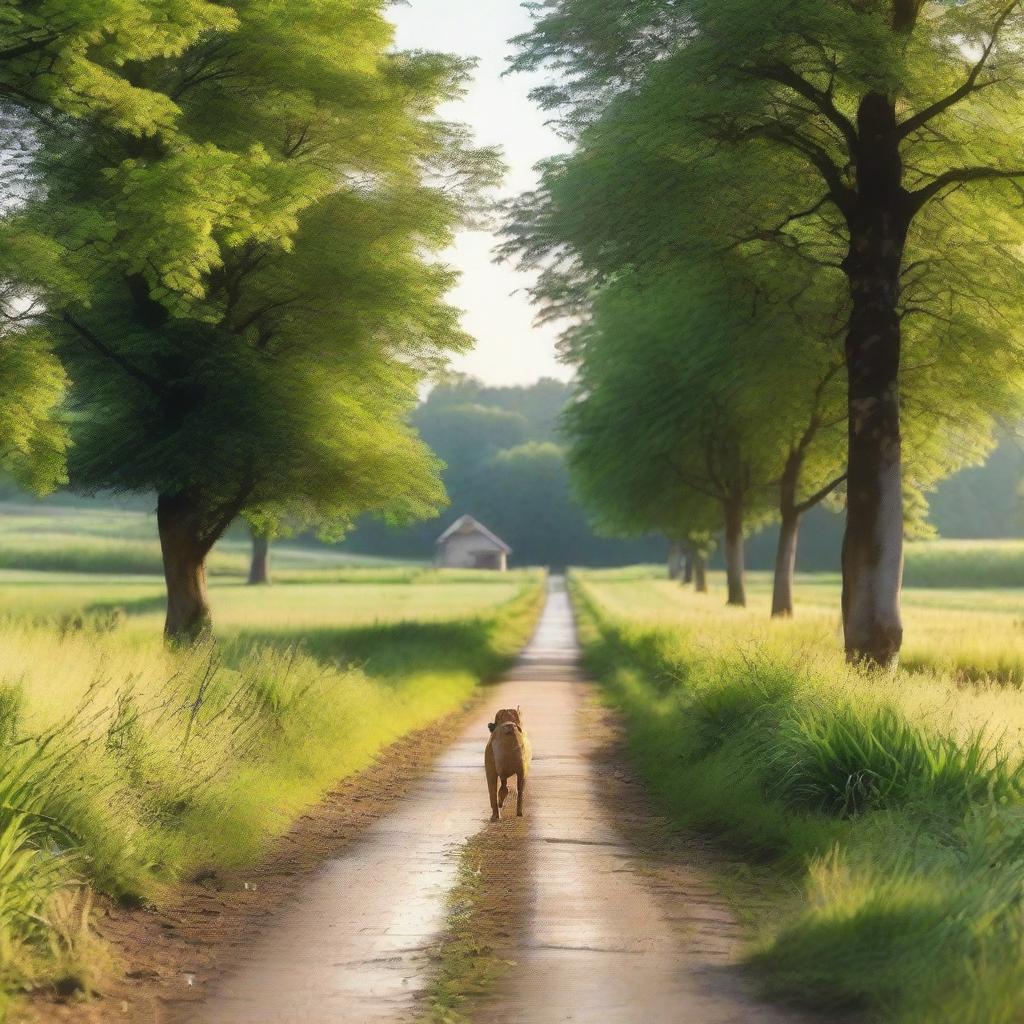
985	502
505	466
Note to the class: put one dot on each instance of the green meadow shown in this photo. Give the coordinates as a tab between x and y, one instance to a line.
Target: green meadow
128	765
886	809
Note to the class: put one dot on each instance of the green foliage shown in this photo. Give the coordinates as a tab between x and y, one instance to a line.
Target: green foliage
737	138
894	803
62	59
678	415
70	55
984	501
32	381
248	299
126	765
505	465
540	403
465	423
32	440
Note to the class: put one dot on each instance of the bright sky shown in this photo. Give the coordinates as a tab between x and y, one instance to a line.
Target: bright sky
510	348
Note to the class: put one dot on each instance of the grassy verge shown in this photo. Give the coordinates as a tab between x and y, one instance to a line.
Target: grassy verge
975	635
125	766
486	909
895	801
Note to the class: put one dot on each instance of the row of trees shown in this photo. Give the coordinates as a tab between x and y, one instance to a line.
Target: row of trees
218	283
789	236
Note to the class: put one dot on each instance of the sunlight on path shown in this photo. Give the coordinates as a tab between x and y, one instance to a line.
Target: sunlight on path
354	948
603	944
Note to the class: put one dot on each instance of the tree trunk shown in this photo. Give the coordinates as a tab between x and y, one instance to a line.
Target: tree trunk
785	554
259	567
700	572
785	567
873	542
184	554
734	567
688	567
675	560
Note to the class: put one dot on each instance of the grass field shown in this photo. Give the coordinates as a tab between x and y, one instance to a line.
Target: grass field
125	765
973	633
965	563
886	810
77	539
892	804
283	608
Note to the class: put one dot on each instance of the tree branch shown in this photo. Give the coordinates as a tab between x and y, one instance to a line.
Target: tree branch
819	496
228	511
153	383
688	481
922	117
840	194
959	176
785	75
27	47
243	325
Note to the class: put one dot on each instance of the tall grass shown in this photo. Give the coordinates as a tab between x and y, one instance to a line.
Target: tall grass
125	766
896	801
976	635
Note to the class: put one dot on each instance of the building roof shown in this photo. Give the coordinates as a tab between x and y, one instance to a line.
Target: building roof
467	524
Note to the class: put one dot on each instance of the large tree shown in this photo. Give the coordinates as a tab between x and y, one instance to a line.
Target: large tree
263	302
61	60
871	119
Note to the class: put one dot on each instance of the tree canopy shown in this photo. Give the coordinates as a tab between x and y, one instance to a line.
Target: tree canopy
256	299
875	143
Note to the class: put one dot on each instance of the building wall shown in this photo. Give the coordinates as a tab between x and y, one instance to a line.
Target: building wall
463	551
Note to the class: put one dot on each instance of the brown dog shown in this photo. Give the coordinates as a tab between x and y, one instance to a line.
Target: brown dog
507	754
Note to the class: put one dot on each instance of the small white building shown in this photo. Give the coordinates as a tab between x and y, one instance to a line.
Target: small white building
467	544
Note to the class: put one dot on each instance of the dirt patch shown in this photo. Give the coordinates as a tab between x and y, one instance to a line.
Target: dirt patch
166	956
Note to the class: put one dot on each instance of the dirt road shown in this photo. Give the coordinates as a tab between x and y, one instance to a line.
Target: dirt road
610	936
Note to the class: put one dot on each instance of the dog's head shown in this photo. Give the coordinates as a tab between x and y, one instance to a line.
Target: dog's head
507	721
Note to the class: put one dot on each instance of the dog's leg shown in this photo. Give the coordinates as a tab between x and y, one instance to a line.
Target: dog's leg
503	792
520	789
492	789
